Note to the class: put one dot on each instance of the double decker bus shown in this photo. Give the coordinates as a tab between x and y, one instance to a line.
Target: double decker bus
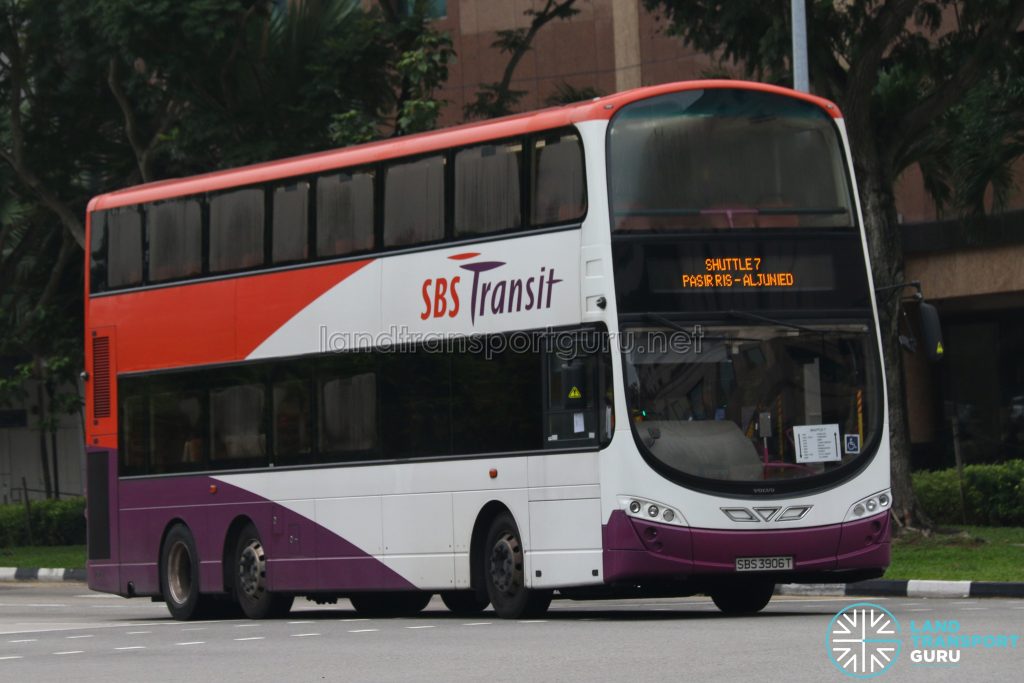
626	346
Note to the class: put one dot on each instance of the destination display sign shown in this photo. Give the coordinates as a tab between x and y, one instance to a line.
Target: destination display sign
741	272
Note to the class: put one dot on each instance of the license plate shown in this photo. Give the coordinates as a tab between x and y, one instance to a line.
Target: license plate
764	564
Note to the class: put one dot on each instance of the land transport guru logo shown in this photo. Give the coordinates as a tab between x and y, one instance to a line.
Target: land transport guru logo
489	293
863	640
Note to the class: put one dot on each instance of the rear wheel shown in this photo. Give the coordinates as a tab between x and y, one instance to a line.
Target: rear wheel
250	579
745	598
504	572
464	602
179	575
393	604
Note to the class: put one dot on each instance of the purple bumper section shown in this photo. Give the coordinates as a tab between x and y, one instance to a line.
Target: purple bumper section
636	549
302	555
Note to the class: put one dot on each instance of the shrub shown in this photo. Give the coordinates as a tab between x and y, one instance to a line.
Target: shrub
994	494
54	522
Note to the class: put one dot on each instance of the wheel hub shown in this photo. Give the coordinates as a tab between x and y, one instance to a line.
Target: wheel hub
179	573
252	570
506	568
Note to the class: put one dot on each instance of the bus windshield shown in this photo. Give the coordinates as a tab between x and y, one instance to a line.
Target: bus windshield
724	158
754	402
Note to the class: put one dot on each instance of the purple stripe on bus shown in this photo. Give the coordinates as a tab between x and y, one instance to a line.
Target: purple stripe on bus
294	543
637	549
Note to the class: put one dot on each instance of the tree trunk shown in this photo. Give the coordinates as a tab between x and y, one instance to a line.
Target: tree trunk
44	456
886	250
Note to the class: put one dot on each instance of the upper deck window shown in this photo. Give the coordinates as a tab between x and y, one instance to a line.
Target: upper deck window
291	222
414	202
175	232
487	197
557	180
726	158
124	247
236	230
344	213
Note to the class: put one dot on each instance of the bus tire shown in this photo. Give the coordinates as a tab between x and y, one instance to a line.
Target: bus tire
179	575
464	603
743	598
250	579
505	575
390	604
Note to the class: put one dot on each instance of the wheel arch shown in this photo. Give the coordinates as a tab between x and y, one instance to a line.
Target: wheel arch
228	549
484	518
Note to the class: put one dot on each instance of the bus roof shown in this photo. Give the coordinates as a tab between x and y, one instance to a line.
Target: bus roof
600	108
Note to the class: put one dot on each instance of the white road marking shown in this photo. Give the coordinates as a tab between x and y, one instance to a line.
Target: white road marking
45	604
355	619
24	640
195	628
131	647
193	642
252	638
246	625
136	633
73	637
419	627
304	635
974	609
921	609
365	630
300	622
533	621
10	657
70	652
478	623
99	596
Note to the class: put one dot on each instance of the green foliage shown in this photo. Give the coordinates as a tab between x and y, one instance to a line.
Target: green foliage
994	494
566	93
54	522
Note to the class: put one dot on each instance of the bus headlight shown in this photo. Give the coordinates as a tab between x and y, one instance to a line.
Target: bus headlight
870	505
651	511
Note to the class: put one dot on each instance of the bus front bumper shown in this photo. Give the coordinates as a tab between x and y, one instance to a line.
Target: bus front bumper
636	550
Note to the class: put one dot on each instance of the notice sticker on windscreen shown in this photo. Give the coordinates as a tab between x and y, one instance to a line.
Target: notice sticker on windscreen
817	443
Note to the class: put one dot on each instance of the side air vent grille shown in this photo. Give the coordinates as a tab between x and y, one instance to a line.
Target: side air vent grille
101	377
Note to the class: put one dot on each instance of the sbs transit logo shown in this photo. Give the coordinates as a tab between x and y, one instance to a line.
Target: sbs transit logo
489	294
863	640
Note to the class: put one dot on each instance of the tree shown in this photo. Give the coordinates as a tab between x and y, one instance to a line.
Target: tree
498	98
101	95
902	71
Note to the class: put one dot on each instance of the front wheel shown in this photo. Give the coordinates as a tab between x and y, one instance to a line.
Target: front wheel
745	598
250	579
504	572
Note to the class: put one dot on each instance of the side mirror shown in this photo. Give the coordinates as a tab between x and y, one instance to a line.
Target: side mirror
931	332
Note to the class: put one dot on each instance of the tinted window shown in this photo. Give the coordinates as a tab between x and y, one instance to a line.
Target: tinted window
347	395
237	430
175	232
236	230
724	158
133	442
344	213
414	202
572	400
558	183
487	197
124	251
176	430
98	252
293	424
496	402
415	396
291	222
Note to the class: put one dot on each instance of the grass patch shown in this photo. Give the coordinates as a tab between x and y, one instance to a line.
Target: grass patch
973	553
54	556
